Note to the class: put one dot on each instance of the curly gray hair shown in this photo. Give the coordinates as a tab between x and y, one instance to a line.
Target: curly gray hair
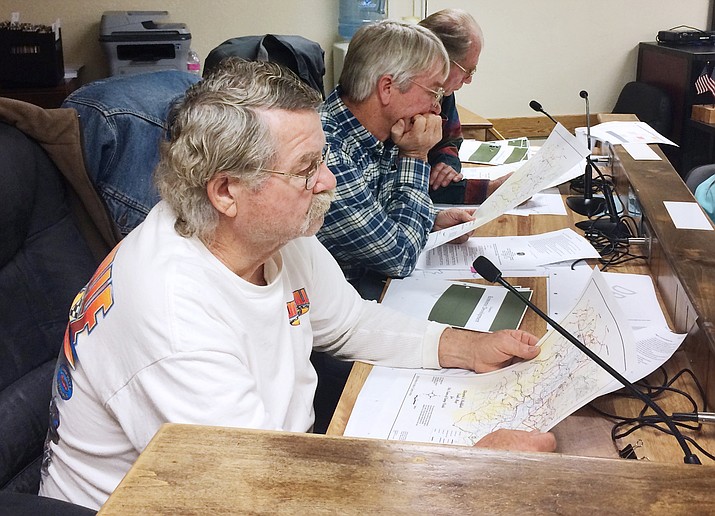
218	127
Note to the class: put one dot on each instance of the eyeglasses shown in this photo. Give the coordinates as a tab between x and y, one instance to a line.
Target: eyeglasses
310	174
467	73
438	93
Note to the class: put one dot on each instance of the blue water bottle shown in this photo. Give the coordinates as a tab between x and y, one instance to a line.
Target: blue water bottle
355	13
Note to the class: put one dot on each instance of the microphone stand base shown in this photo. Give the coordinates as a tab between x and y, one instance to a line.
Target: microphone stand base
605	227
587	207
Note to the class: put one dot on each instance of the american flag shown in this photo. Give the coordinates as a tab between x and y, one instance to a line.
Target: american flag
705	82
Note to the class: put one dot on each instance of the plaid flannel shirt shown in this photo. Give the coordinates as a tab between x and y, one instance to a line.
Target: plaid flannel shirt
382	213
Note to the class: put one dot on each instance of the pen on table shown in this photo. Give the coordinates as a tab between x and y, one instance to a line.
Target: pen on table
694	417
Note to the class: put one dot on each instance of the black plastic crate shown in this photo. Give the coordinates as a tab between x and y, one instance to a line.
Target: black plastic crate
30	56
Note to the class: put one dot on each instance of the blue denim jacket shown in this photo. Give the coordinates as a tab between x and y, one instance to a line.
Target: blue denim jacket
122	120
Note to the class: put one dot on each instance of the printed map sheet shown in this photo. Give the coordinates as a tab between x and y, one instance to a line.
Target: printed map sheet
459	407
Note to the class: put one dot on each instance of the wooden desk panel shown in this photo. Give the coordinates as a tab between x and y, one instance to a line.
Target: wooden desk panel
682	261
190	469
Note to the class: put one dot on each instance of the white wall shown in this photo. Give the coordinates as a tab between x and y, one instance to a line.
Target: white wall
547	50
550	50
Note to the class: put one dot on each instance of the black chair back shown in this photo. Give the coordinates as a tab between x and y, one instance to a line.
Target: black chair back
697	175
302	56
649	103
44	262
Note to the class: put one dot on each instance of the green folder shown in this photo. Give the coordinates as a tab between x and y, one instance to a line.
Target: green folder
458	302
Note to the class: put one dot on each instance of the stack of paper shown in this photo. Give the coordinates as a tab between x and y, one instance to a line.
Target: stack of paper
510	252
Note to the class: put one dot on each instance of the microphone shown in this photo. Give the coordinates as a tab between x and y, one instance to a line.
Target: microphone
584	95
587	205
537	107
487	270
613	226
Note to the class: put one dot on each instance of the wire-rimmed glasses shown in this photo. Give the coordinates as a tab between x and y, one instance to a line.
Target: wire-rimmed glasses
438	93
468	74
310	174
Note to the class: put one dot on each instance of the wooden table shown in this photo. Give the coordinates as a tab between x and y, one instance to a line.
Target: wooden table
50	97
189	469
474	126
584	433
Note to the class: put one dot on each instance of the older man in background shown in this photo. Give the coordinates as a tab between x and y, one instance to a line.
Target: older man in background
463	40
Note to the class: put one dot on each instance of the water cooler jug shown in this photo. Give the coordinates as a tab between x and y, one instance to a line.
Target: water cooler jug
355	13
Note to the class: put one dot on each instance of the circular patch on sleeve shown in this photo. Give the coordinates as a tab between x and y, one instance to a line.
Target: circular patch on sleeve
64	382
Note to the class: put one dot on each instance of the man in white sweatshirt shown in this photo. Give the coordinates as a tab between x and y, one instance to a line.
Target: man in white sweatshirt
208	311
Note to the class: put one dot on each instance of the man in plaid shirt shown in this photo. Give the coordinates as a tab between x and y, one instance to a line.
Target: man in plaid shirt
380	123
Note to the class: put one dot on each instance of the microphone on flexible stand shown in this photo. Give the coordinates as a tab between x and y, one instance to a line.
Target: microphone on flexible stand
587	205
487	270
611	227
584	95
537	107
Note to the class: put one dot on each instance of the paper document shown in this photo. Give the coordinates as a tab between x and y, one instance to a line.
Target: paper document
687	215
626	132
457	407
577	170
641	152
635	294
491	173
497	152
560	153
463	274
547	202
654	346
565	286
509	253
461	304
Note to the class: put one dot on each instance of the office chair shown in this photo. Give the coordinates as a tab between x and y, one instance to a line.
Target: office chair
54	230
302	56
697	175
649	103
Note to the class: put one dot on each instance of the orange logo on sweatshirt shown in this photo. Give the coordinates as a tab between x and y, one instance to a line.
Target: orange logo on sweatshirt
299	306
94	298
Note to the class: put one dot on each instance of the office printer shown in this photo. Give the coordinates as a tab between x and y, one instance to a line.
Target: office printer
143	41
